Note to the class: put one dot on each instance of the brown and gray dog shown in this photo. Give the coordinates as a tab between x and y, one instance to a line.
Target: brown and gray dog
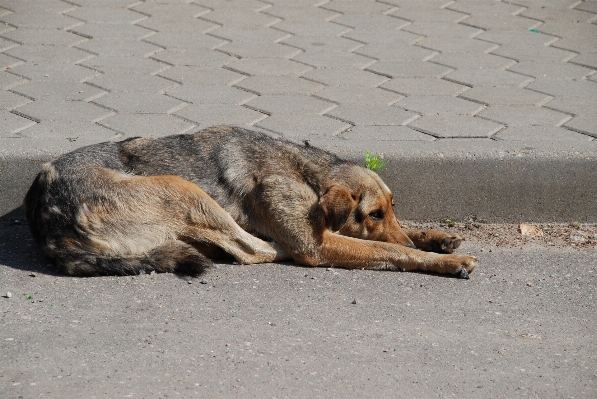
171	204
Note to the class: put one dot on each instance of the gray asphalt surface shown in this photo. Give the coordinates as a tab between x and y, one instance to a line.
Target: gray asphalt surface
523	326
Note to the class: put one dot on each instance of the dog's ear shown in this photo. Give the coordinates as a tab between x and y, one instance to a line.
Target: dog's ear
337	203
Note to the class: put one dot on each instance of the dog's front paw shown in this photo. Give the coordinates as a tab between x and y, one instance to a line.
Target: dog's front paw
467	265
435	241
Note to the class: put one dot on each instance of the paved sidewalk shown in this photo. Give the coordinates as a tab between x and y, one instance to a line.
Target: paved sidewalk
483	108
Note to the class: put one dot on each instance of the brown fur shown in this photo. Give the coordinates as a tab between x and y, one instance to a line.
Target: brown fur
169	204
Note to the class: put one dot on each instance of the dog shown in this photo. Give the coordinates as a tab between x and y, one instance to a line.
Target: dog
173	204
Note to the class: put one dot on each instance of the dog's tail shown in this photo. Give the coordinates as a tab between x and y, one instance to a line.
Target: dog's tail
170	257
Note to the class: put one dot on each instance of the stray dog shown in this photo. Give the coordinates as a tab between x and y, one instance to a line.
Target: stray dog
172	204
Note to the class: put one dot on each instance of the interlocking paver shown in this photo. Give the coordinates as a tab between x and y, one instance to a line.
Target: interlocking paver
357	7
312	28
52	90
373	22
216	114
10	101
501	22
573	105
385	133
568	15
32	7
193	57
428	14
505	96
200	76
404	69
447	126
40	20
6	44
566	88
53	110
57	72
430	105
573	36
301	13
53	37
69	135
147	125
540	135
488	9
103	3
240	18
473	60
249	34
11	123
133	103
491	77
334	60
214	94
551	70
358	95
524	116
588	60
174	40
9	80
424	87
48	54
299	127
7	62
124	65
396	52
586	124
323	44
107	15
457	45
109	31
291	104
345	77
389	36
172	11
249	5
363	114
441	29
589	6
119	47
259	50
523	52
269	67
132	83
168	24
263	85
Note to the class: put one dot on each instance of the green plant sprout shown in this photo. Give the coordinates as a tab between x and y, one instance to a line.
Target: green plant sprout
374	162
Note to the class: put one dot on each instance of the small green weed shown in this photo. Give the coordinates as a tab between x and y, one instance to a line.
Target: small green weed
374	162
29	298
451	222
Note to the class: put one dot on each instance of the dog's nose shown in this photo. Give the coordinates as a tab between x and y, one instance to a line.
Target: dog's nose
410	245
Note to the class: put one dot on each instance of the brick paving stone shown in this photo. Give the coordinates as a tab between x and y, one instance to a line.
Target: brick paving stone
505	96
573	105
11	123
334	60
40	20
526	115
453	126
458	45
560	5
269	67
133	103
323	44
384	133
523	52
441	29
312	28
501	22
511	38
240	18
119	47
428	14
8	62
64	136
407	69
9	101
57	72
586	124
345	77
168	24
392	36
430	105
148	125
30	7
424	87
359	95
107	15
589	6
473	60
49	37
124	65
301	13
362	114
53	110
250	5
48	54
291	104
174	40
551	70
263	85
488	77
103	3
588	60
216	114
357	7
373	22
172	11
259	50
396	52
299	127
213	94
52	90
539	135
6	44
201	76
9	80
193	57
249	34
132	83
108	31
573	36
569	15
566	88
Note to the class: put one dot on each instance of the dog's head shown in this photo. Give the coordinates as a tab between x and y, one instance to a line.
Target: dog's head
359	204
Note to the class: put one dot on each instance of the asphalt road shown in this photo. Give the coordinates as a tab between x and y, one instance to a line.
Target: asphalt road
523	326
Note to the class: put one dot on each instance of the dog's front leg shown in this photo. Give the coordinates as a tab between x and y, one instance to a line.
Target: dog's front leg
347	252
434	240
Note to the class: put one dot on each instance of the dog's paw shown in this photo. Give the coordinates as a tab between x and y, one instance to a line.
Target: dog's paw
447	244
467	266
436	241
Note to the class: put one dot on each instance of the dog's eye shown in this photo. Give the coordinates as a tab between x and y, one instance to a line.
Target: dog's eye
376	215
